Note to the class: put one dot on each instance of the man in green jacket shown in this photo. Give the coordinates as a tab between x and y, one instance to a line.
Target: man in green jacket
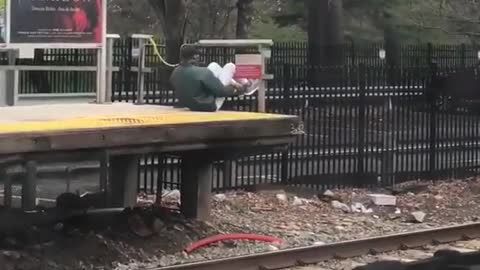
197	88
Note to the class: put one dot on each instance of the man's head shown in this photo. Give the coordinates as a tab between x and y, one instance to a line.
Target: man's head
189	54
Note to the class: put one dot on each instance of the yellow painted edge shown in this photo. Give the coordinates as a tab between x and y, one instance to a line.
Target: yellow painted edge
101	122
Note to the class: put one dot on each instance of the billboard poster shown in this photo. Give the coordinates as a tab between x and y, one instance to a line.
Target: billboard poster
2	21
55	21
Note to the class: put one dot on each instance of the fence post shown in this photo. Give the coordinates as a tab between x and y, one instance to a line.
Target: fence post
128	86
9	93
433	119
361	123
140	71
464	56
429	53
352	53
389	148
286	84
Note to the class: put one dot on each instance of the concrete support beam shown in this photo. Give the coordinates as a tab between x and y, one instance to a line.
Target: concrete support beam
7	187
123	181
229	173
196	186
29	187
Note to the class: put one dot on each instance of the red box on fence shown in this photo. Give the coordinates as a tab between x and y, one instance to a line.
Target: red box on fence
248	66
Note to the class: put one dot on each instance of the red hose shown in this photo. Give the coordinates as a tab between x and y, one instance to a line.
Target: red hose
235	236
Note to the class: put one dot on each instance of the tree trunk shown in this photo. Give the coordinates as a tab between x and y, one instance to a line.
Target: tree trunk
392	47
244	17
325	38
172	48
172	16
325	31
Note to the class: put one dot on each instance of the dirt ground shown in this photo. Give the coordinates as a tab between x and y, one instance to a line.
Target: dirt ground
298	216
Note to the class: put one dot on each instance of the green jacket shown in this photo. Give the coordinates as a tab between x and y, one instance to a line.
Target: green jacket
197	88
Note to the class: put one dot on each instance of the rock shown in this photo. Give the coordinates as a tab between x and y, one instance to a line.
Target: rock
339	228
59	227
394	217
329	193
121	266
230	244
341	206
417	217
12	254
412	188
52	265
383	200
297	201
272	248
438	197
329	196
475	188
282	197
158	225
357	207
220	197
173	195
360	208
319	243
178	227
398	211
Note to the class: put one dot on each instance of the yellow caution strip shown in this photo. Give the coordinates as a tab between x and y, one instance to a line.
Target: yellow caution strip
101	122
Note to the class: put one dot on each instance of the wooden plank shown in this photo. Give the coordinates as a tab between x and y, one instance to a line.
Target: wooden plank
196	186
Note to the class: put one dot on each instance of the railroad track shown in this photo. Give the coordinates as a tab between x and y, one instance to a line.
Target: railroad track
296	257
408	257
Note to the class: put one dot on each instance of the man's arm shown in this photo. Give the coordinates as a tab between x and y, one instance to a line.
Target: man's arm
213	85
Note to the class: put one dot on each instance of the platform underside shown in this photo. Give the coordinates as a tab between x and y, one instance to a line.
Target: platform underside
47	128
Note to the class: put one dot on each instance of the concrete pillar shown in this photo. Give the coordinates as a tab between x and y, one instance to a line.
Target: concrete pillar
123	181
196	186
29	186
7	187
229	173
9	82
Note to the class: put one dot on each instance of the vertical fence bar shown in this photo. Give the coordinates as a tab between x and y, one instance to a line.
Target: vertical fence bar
433	121
361	124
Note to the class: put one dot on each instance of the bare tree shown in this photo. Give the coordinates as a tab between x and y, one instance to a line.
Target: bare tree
454	18
212	19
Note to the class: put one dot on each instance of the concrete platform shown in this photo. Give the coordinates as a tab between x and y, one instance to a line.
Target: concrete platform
117	134
40	128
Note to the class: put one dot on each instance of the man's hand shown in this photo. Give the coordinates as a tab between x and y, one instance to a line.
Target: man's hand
240	89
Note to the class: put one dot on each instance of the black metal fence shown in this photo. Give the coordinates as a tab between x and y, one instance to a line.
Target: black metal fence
371	126
366	123
293	53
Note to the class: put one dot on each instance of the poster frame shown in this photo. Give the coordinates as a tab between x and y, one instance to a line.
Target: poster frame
53	45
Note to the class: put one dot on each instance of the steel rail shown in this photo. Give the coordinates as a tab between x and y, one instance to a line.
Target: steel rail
340	250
